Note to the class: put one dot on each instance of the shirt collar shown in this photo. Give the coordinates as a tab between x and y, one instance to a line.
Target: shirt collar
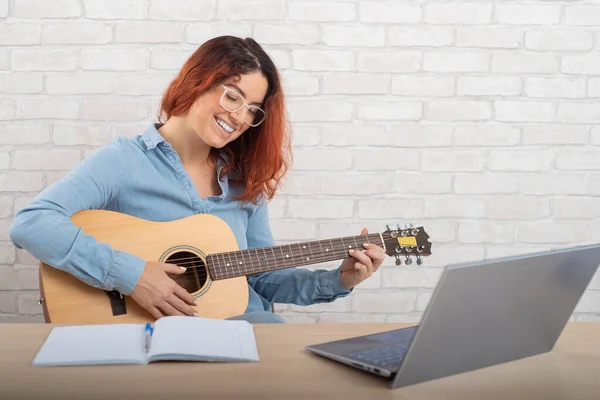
152	136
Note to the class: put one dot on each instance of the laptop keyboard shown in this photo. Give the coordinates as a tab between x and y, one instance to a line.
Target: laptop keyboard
385	356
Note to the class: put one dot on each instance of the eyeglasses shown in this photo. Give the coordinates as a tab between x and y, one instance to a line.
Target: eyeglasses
232	101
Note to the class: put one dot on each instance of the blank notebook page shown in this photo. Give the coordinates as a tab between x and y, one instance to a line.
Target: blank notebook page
196	338
93	344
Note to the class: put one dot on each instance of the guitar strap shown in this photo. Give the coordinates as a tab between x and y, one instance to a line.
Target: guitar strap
117	302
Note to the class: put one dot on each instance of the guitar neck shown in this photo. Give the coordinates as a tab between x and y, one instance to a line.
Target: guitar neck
253	261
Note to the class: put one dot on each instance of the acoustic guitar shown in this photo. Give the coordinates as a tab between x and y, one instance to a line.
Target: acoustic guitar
216	268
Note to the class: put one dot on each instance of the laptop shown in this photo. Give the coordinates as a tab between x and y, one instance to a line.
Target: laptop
480	314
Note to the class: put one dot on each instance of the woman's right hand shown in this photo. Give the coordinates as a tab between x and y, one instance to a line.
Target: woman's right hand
159	294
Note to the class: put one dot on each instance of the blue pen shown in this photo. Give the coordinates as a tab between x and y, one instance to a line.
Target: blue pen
148	332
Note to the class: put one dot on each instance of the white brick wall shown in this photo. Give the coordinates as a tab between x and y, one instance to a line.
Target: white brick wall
474	118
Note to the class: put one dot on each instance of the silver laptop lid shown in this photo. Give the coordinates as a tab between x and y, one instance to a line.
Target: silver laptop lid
490	312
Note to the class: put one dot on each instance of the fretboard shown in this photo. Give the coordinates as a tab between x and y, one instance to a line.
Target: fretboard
253	261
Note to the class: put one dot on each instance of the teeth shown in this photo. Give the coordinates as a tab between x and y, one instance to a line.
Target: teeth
224	125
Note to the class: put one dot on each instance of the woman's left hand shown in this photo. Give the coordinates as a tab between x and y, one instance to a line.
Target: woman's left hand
361	264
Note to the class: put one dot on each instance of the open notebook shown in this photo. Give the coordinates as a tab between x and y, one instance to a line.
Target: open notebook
174	338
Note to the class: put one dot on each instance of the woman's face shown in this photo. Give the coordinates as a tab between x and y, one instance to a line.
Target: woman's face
214	124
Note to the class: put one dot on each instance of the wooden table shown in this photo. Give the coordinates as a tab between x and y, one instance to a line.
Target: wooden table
286	370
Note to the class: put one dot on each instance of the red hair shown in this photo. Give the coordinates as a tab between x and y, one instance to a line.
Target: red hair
260	157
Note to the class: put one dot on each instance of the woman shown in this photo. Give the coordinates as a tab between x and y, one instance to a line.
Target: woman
223	149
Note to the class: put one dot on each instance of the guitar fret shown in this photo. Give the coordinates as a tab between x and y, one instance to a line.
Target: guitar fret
311	253
292	253
321	247
283	259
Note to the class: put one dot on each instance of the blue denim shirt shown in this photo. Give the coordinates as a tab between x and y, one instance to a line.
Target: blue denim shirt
144	177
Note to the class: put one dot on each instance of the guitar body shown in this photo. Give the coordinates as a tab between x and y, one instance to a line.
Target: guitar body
67	300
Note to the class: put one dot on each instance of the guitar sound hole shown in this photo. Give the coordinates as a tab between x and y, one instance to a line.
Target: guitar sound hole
194	278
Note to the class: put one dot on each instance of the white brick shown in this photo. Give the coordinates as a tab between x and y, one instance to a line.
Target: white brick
293	230
388	110
21	83
20	34
576	208
559	39
115	9
7	256
486	183
19	277
8	303
453	207
46	9
55	176
593	87
582	15
277	208
488	37
486	232
129	131
6	206
137	84
182	10
50	108
200	33
595	135
353	317
486	136
4	164
359	184
590	302
554	134
148	32
389	12
256	10
80	83
434	36
588	64
416	85
4	59
411	277
355	134
53	159
323	60
339	305
306	136
322	159
300	84
458	13
320	110
523	111
513	250
8	110
286	33
456	61
298	183
43	60
458	110
442	255
551	232
329	229
488	86
520	160
443	232
354	36
411	183
452	160
386	160
420	136
520	62
172	59
113	109
396	301
553	184
81	134
281	58
11	181
28	303
423	300
389	61
77	32
527	14
322	11
510	207
354	83
555	87
113	59
298	318
24	134
578	159
578	113
321	208
3	8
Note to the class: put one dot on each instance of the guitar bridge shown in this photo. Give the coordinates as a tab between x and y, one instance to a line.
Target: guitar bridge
117	302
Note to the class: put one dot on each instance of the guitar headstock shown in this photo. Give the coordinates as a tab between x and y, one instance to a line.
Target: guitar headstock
406	243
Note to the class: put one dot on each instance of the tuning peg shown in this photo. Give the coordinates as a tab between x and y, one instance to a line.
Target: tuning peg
387	227
398	260
419	261
408	260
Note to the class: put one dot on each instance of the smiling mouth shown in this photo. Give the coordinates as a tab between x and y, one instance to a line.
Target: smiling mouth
225	127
